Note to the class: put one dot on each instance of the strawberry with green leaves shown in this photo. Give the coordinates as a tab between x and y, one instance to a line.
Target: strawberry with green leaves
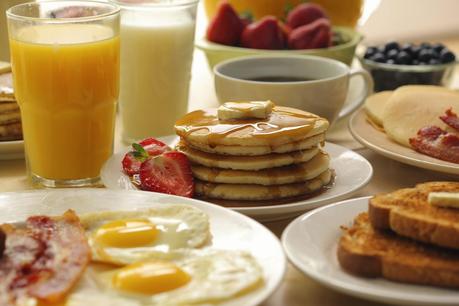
141	152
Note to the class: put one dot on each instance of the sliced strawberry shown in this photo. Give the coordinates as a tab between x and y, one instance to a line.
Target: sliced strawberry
168	173
142	151
264	34
226	26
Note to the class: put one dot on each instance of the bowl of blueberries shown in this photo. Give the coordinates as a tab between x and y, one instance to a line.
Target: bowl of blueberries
393	65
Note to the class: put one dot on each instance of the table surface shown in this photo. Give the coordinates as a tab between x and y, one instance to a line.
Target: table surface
296	289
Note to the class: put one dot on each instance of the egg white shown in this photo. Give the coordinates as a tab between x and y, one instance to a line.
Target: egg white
216	276
181	228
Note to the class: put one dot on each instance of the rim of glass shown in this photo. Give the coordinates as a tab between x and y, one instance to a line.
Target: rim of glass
154	3
115	10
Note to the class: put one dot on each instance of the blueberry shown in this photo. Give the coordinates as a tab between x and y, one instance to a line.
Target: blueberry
426	45
447	56
390	62
392	54
407	48
393	45
434	61
378	57
425	55
415	62
370	52
403	58
438	47
415	51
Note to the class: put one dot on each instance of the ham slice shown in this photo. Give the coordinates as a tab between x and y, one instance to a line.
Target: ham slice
438	143
43	260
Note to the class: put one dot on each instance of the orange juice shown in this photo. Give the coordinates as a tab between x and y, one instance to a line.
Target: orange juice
66	79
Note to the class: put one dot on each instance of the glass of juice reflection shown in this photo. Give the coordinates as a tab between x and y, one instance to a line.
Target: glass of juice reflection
65	58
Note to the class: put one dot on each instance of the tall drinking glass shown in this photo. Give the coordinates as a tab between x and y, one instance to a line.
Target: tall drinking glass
157	42
65	60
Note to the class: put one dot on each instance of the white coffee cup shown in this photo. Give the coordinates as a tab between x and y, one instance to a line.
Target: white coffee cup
314	84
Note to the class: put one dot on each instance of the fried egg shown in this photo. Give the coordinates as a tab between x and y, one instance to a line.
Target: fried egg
202	278
164	232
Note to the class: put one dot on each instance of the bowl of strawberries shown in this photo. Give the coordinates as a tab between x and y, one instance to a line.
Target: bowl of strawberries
306	30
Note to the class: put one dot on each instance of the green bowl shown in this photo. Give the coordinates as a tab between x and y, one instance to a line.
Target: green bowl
344	52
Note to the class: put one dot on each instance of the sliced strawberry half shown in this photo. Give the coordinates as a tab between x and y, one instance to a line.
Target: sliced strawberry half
141	152
168	173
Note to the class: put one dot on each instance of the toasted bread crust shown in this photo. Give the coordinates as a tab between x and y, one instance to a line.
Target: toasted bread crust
366	252
407	212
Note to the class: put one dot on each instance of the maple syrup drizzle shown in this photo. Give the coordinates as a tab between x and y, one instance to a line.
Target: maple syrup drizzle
281	122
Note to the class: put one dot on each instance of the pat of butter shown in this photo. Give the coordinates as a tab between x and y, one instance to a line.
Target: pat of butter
444	199
245	110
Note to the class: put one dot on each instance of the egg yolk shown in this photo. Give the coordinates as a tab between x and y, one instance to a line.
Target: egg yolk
150	277
127	233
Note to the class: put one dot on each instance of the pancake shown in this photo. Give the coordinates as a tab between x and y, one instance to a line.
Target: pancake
374	106
274	176
411	108
260	150
246	162
12	131
10	117
282	126
8	107
252	192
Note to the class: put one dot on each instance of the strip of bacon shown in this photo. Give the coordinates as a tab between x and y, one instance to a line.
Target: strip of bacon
437	143
44	260
451	119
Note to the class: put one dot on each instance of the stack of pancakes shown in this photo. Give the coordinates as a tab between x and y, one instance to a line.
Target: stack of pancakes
255	159
10	117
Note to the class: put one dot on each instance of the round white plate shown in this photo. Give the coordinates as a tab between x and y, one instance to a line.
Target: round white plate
11	149
352	173
230	230
310	243
377	141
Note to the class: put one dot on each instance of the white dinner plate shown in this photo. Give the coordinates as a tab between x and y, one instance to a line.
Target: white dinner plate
310	243
11	149
352	170
230	230
377	140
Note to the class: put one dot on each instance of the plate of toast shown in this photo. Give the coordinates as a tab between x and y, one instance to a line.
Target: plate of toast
399	248
415	125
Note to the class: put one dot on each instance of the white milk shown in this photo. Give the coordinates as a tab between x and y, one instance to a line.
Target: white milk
156	56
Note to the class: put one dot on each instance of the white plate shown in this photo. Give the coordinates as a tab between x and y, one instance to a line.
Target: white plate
352	173
11	149
230	230
377	141
310	242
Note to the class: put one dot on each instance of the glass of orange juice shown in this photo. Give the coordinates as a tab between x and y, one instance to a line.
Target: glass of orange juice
65	58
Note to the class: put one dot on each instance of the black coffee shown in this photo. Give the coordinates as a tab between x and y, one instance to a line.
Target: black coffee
279	79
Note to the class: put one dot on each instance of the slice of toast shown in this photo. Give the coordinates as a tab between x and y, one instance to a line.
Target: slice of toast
408	213
366	252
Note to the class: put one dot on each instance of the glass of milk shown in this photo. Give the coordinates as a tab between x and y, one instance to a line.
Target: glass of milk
157	43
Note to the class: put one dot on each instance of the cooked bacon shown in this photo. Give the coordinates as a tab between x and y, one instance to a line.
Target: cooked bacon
44	260
451	119
437	143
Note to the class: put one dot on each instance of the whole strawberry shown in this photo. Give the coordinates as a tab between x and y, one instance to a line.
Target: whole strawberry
311	36
305	13
264	34
226	26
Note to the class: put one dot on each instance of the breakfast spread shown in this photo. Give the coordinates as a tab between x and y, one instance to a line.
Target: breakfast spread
254	151
408	116
307	26
393	65
159	256
404	238
10	116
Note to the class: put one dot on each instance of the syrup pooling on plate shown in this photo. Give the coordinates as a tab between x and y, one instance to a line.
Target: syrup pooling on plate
281	122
